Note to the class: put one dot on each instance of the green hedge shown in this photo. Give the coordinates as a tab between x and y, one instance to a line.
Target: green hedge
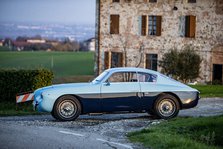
16	81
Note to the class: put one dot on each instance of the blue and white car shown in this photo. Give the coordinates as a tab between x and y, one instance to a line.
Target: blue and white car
117	90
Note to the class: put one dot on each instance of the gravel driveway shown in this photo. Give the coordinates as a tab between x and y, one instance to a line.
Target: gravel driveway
102	131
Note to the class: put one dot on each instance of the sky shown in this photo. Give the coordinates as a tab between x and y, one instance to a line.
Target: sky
48	11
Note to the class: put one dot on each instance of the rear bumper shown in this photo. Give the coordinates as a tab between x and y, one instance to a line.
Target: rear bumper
192	103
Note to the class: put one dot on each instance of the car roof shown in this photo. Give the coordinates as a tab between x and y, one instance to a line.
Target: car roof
120	69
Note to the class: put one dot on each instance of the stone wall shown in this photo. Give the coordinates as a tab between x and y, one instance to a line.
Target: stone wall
209	30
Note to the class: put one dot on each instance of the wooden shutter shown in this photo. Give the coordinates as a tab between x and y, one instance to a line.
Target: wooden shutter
143	28
106	60
190	26
158	25
120	64
114	24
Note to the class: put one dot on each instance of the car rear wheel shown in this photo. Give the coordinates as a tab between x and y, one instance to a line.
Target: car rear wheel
66	108
166	106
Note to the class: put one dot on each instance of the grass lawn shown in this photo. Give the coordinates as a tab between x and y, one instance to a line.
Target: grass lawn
63	64
210	90
11	109
183	133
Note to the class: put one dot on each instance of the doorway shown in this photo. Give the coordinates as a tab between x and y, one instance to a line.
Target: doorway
217	73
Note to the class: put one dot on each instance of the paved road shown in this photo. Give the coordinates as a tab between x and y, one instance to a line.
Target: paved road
87	132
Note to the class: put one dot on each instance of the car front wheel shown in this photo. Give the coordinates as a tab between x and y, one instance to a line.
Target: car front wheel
66	108
166	106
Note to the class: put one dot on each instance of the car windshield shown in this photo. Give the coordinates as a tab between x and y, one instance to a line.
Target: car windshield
100	77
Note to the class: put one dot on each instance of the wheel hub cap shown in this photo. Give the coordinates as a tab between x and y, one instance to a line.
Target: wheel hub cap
167	107
67	109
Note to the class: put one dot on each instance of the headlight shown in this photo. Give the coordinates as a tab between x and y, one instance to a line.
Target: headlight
39	98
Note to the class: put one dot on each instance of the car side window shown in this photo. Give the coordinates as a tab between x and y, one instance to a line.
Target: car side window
146	77
123	77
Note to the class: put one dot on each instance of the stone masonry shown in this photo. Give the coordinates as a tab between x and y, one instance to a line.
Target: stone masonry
208	40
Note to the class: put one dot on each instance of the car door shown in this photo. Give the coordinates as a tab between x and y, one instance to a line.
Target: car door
148	89
120	92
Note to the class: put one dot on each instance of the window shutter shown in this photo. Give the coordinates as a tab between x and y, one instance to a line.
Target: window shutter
187	26
182	26
120	64
106	60
140	25
114	24
143	25
192	26
109	24
158	25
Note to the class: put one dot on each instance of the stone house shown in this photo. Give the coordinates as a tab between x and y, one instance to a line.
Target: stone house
88	45
138	32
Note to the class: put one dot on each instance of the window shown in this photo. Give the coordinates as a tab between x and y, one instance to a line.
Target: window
116	59
190	26
191	1
123	77
187	27
155	25
115	1
146	77
113	59
114	24
152	1
151	61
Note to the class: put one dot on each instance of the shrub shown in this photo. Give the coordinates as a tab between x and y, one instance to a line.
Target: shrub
15	81
183	65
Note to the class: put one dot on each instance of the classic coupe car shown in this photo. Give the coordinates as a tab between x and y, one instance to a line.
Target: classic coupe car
117	90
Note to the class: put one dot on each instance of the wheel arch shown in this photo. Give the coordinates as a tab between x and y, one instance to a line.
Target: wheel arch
77	97
172	94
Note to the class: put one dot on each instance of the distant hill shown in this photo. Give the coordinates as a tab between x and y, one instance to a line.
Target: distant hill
78	32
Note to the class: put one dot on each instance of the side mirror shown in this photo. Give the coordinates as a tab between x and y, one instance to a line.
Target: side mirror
106	83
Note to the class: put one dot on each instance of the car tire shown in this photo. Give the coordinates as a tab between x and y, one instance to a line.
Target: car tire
66	108
166	106
53	115
152	114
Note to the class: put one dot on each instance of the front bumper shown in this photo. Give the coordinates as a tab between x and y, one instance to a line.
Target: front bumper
35	105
